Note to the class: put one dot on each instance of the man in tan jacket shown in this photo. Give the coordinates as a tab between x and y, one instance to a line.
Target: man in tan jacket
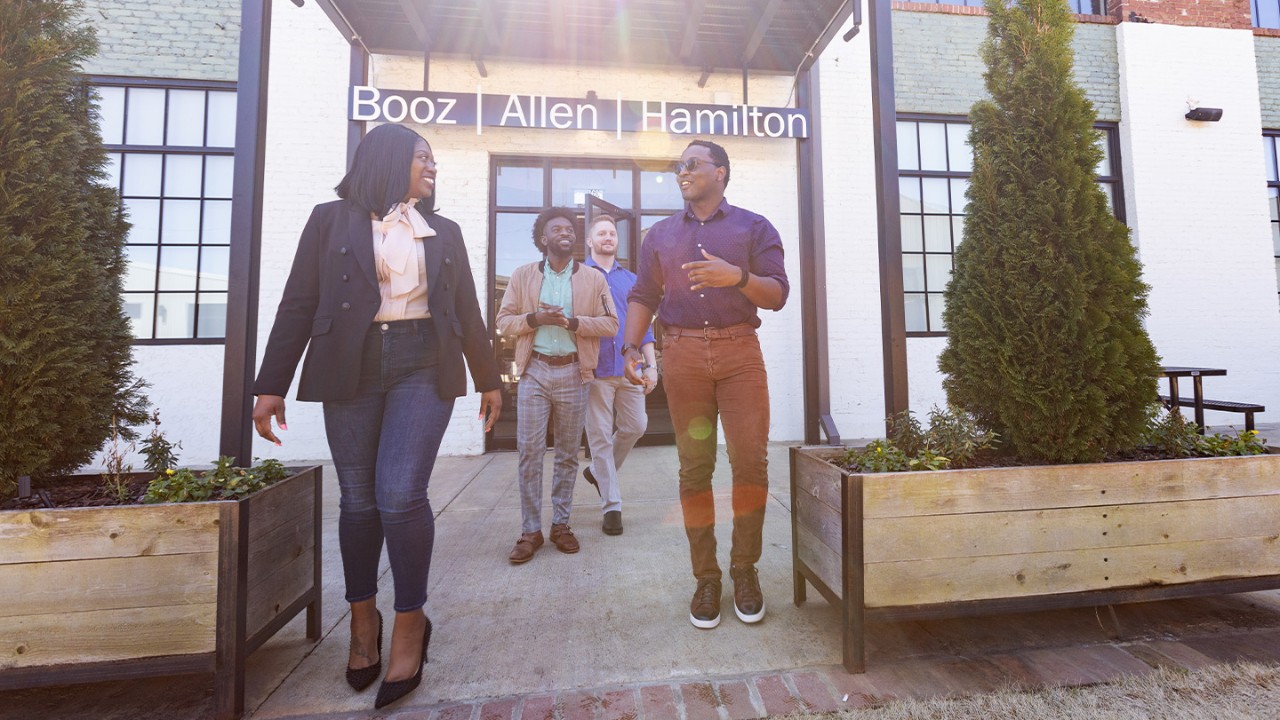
557	310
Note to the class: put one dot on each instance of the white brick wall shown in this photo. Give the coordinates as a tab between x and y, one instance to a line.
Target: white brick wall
165	38
937	66
853	269
1196	197
306	156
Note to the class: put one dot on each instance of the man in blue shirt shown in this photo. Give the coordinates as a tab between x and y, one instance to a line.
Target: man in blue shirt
706	271
611	394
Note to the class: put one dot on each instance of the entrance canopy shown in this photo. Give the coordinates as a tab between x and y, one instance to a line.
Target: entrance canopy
757	35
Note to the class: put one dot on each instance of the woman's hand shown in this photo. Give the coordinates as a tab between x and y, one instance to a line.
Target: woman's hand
490	403
266	407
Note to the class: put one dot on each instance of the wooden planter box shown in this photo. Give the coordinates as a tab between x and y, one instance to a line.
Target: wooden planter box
91	594
917	545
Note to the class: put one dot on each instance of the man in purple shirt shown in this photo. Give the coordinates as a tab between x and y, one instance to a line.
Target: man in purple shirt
705	271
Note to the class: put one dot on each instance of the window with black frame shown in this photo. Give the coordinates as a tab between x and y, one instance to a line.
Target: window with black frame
934	165
521	187
1271	152
171	149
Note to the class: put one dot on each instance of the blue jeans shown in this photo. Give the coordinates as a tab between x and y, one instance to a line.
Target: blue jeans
542	388
384	443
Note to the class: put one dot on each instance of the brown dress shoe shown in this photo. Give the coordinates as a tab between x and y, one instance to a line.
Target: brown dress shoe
563	539
526	546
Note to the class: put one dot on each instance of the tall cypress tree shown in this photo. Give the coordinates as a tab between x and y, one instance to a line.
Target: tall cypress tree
65	344
1044	310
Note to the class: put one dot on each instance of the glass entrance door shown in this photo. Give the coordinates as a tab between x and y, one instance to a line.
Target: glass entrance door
521	187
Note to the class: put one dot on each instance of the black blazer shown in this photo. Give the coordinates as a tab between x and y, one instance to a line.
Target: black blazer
332	295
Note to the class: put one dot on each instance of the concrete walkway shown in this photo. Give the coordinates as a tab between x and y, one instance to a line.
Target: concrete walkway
604	633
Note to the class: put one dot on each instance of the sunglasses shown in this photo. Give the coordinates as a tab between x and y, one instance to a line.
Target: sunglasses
691	165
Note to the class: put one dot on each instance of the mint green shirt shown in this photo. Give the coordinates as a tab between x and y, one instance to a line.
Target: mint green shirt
556	290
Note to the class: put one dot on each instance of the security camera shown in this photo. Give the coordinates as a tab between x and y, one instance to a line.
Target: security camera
1205	114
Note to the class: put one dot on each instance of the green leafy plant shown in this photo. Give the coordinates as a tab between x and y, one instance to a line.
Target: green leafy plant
953	438
957	435
905	431
160	453
1169	434
174	486
929	460
877	457
1242	442
223	482
1044	309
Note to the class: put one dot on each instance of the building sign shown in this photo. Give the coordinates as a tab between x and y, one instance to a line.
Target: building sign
480	110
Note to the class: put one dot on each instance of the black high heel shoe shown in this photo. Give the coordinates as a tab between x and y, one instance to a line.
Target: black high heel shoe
361	678
392	690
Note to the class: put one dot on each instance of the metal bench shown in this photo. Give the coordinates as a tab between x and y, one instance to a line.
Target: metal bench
1224	405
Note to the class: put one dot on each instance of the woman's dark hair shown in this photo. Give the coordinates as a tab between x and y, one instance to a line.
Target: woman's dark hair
718	156
547	216
379	174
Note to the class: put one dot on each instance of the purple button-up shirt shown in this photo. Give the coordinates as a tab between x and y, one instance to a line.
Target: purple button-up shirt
620	280
739	236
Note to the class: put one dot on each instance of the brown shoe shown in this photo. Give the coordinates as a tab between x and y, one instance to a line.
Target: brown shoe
526	546
563	539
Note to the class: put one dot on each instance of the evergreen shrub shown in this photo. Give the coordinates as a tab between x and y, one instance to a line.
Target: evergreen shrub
1044	311
65	344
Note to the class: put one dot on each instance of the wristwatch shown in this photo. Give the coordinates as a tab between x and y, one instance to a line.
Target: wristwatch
746	275
627	347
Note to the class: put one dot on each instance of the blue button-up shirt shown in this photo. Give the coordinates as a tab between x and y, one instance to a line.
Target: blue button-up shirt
620	280
739	236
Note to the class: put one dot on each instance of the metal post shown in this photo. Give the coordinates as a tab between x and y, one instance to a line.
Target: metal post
884	121
813	269
240	353
358	75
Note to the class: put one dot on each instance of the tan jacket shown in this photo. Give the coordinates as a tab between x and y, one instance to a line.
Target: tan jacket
592	308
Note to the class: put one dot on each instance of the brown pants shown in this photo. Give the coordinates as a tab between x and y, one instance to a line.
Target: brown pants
725	377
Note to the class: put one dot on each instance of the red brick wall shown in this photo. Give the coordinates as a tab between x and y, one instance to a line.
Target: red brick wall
1233	14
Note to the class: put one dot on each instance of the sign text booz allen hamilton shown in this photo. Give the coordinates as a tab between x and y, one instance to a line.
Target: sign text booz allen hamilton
479	110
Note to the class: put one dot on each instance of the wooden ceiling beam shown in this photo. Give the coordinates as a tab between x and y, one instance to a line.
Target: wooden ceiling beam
559	18
490	34
693	22
416	14
761	29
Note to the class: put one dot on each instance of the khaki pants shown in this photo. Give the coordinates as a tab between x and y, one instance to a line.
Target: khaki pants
607	397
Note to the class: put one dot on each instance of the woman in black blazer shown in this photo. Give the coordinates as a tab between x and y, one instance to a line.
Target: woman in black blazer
381	290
